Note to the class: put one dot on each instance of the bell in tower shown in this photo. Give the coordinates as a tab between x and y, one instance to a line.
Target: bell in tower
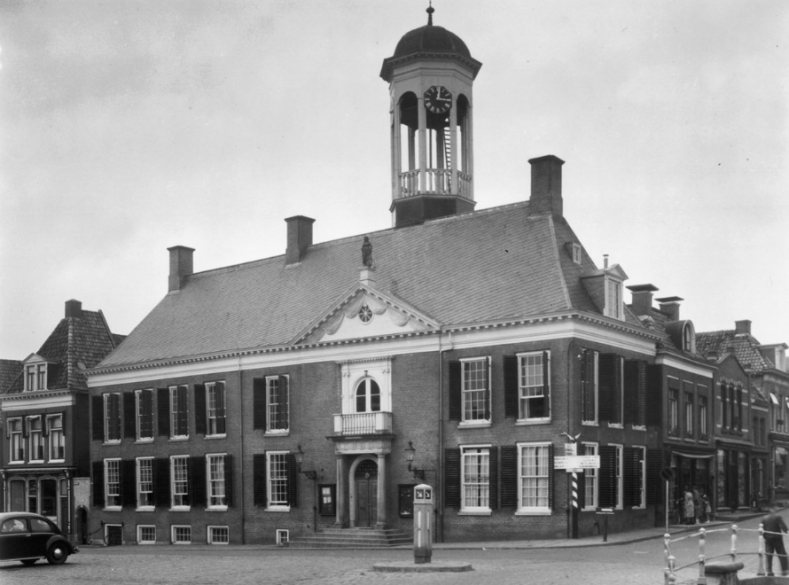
430	77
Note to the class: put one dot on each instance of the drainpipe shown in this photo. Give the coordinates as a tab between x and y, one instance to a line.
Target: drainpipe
440	473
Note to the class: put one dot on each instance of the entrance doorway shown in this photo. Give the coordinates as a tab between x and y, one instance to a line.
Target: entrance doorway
366	484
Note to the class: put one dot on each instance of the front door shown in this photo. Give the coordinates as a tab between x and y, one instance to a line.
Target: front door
366	480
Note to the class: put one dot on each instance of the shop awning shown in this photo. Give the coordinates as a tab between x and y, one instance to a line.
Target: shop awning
693	455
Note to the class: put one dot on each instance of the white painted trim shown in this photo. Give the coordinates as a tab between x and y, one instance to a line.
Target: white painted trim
58	401
672	362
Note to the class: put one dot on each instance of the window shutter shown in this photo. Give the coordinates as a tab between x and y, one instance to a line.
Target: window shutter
282	399
129	416
654	482
98	484
45	427
200	411
509	476
511	386
654	395
163	411
631	471
452	478
488	397
546	382
551	482
229	480
161	479
63	422
455	391
607	473
493	477
608	393
259	405
259	480
25	427
97	405
634	390
588	385
128	469
290	467
197	482
221	423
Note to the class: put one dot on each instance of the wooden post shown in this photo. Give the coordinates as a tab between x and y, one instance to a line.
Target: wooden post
760	571
702	559
733	543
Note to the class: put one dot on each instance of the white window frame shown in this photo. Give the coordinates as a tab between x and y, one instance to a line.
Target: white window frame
367	383
139	414
704	433
643	476
115	493
576	253
174	414
465	392
620	480
690	412
107	415
177	505
212	484
16	438
591	478
174	528
212	389
139	483
477	451
141	528
271	418
673	413
35	439
281	478
355	371
211	535
523	386
533	510
56	439
613	298
35	377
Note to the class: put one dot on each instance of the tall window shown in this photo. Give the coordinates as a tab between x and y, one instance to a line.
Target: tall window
179	408
144	404
145	482
216	480
277	479
35	377
534	385
57	441
368	396
112	417
589	385
179	472
16	440
688	414
277	403
476	478
739	408
476	390
535	477
703	416
618	479
613	299
591	486
216	408
36	438
673	412
112	487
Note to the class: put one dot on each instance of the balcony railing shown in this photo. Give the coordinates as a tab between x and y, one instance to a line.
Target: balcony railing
439	182
363	423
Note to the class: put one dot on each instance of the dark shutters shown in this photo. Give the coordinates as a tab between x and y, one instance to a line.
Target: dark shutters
197	482
452	478
129	416
200	411
98	483
632	477
509	476
282	403
259	496
511	386
163	411
546	385
551	482
654	395
493	479
221	423
259	405
161	479
128	469
182	412
581	479
293	475
610	388
63	422
607	481
588	386
635	392
455	391
229	480
97	418
654	482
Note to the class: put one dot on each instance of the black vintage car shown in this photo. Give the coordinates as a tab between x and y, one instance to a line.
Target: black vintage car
28	537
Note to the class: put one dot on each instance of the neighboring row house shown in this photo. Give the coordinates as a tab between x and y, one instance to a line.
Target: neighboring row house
45	456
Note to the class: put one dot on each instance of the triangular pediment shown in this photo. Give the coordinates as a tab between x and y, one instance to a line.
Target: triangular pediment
365	312
34	358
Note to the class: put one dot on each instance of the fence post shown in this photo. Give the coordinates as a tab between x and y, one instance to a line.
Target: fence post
669	570
733	543
702	558
760	570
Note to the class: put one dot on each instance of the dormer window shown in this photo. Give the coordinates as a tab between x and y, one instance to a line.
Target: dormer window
613	299
35	377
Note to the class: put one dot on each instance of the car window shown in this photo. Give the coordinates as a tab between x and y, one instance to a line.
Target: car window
39	525
13	525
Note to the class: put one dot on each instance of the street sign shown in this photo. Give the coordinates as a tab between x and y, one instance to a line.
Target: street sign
667	474
578	462
570	449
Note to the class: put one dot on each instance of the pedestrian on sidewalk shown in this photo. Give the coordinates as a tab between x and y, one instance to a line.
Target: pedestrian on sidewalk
689	509
774	527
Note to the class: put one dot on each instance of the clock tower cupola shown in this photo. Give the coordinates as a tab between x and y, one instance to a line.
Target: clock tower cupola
430	77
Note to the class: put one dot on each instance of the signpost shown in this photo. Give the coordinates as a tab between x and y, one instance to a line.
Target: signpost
574	464
667	474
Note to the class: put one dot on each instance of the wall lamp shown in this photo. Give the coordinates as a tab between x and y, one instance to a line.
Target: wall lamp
311	474
409	457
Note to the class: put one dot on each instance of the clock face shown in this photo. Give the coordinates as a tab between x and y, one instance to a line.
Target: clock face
438	99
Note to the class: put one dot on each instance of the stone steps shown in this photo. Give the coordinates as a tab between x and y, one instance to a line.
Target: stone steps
353	538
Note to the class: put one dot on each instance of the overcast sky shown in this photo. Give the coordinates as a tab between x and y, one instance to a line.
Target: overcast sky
128	127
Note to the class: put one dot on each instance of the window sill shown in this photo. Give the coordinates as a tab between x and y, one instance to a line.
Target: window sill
179	438
533	421
216	509
615	425
143	441
39	461
145	509
56	461
278	509
534	512
278	433
638	427
214	437
113	508
180	508
20	462
590	423
486	512
113	442
482	424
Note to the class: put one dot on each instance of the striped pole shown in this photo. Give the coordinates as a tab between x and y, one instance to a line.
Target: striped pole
575	490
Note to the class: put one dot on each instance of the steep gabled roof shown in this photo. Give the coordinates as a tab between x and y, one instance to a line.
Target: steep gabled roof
743	345
9	371
479	267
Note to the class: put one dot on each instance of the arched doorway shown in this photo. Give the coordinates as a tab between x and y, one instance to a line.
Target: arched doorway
366	493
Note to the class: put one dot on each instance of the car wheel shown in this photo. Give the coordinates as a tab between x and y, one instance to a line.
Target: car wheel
29	562
57	554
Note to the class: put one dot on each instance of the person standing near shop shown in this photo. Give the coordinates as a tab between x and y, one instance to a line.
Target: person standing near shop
774	528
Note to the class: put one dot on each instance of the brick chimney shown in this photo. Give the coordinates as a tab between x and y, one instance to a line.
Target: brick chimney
742	327
670	306
546	186
74	309
642	298
299	238
180	266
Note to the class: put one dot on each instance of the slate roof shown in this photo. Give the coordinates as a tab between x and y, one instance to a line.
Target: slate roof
82	340
743	345
479	267
9	370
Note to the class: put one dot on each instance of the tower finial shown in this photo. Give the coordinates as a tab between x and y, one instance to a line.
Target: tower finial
430	10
